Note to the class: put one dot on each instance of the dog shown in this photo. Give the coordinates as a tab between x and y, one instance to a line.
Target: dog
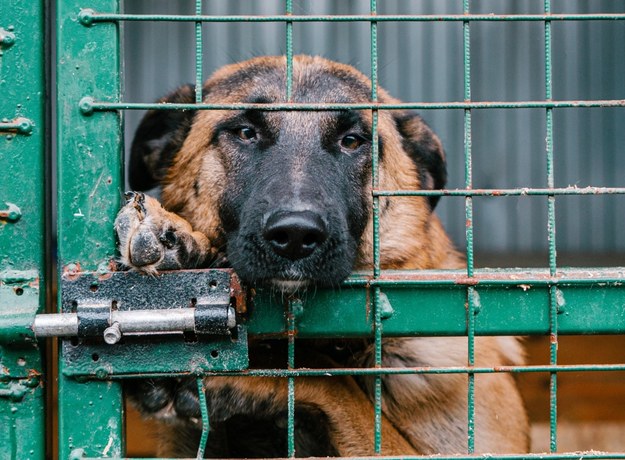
285	199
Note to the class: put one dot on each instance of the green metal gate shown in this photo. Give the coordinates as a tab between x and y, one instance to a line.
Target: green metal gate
550	301
22	242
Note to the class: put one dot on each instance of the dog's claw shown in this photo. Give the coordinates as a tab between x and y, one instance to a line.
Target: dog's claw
129	196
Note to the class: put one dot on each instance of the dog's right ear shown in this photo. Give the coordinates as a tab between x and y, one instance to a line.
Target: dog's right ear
158	138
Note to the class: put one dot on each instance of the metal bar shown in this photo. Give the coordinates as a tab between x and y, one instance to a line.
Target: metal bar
553	361
23	188
154	320
564	276
292	305
491	277
199	81
89	17
56	325
468	206
506	192
375	154
592	455
334	372
90	176
551	230
425	307
129	321
205	421
289	52
89	105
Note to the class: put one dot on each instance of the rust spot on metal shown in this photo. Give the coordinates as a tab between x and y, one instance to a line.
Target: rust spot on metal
112	267
34	374
553	338
469	223
238	293
71	272
503	369
466	281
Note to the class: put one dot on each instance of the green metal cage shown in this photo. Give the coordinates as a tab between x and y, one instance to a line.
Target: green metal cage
551	301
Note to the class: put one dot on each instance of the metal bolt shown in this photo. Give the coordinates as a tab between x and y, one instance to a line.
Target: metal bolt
113	334
12	213
20	125
86	105
85	17
24	125
7	39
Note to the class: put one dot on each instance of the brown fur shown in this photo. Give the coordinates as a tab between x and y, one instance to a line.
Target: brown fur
423	414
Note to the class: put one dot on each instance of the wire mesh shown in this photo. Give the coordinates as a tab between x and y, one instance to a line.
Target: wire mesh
90	18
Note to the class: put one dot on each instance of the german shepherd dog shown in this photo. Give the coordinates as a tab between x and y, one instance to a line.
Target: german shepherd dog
284	198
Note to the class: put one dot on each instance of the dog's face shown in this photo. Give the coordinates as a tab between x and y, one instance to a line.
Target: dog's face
288	193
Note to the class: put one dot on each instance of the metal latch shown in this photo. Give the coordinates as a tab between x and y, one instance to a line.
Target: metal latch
119	323
101	320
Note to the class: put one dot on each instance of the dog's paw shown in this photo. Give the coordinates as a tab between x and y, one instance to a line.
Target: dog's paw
151	238
177	399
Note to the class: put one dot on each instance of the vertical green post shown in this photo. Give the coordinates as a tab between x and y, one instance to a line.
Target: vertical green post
295	304
199	79
205	421
472	295
22	245
551	229
377	323
90	180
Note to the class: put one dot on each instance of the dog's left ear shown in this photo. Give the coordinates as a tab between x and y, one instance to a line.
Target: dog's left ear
158	138
425	149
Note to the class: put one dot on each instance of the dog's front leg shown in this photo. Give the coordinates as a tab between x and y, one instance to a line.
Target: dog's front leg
349	412
152	238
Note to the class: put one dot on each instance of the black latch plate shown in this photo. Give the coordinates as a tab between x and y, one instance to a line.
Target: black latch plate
153	354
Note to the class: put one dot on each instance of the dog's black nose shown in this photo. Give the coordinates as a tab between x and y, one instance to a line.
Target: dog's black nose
295	234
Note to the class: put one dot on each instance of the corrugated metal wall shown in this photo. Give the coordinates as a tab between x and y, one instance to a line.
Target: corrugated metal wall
423	62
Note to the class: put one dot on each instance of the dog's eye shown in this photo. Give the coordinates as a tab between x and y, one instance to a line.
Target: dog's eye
351	142
246	133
